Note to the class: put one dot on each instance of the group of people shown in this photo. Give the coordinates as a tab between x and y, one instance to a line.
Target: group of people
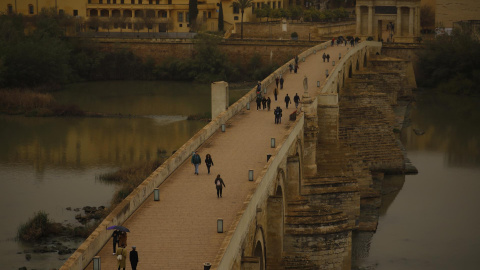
197	160
342	40
120	239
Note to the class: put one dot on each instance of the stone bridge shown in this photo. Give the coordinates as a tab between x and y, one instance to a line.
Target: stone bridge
298	208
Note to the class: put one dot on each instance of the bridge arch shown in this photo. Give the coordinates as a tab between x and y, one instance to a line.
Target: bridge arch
258	250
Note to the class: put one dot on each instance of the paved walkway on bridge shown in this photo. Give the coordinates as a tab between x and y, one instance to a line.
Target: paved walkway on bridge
179	231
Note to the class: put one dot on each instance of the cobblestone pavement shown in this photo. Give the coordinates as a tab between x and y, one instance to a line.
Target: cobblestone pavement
179	231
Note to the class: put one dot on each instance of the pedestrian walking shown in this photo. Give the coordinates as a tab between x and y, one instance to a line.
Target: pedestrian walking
259	87
275	93
295	69
333	41
259	102
277	79
281	82
134	258
264	103
328	57
278	115
296	99
121	257
269	101
219	184
352	42
196	161
208	162
290	67
287	100
115	235
296	59
324	56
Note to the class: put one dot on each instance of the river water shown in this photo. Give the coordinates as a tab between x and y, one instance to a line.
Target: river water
430	221
50	164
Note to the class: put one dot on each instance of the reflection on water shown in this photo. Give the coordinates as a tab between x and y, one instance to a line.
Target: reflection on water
432	222
52	163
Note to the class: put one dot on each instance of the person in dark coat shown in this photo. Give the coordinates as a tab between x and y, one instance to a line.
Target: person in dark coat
269	101
264	103
278	115
259	102
281	82
295	69
275	93
122	239
208	162
324	56
287	100
134	258
115	241
290	67
277	79
219	184
196	161
328	57
296	99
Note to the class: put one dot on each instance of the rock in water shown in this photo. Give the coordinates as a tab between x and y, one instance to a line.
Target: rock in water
418	131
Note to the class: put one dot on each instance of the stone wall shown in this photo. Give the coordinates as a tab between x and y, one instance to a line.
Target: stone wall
305	31
238	51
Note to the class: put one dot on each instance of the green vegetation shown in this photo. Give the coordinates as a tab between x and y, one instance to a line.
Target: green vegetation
451	64
46	58
242	5
37	227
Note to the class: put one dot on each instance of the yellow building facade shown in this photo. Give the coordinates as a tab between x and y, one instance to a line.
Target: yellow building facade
142	15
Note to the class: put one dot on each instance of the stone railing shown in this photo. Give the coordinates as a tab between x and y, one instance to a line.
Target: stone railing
232	243
93	244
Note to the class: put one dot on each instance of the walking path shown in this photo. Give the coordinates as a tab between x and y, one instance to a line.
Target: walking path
179	231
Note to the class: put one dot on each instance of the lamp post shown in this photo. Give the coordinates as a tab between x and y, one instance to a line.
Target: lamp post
219	225
96	263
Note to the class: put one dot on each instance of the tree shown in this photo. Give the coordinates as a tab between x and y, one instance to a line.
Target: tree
119	21
263	12
427	17
242	5
220	18
193	12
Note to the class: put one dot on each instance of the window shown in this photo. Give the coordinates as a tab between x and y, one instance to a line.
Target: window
132	2
139	2
253	8
122	1
75	12
279	4
100	1
274	5
204	17
30	9
157	2
236	10
209	14
89	1
258	5
180	25
235	18
169	2
180	16
114	1
150	2
187	17
9	9
61	12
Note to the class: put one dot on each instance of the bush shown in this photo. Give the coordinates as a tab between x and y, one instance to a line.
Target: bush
294	35
35	228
